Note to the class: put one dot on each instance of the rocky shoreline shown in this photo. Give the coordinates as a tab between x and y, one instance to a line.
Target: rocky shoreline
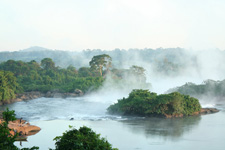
21	127
35	94
203	111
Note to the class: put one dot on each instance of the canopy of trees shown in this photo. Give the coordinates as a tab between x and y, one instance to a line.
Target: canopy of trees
100	62
163	61
145	103
8	86
47	64
44	77
209	89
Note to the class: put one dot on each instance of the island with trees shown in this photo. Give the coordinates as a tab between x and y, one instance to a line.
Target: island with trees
145	103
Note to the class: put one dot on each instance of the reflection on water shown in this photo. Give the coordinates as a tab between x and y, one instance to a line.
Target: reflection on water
202	133
52	116
168	129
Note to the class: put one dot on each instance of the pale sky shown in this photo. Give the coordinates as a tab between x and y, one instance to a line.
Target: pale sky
110	24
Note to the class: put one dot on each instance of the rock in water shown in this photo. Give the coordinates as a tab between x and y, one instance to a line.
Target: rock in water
23	128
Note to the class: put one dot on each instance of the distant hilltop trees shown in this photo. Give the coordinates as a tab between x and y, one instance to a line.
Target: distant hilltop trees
209	90
169	61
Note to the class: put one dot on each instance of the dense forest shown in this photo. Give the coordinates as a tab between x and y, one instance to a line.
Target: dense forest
146	103
208	90
160	62
19	76
168	61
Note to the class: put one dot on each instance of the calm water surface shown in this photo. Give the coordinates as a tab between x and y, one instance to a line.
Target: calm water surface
206	132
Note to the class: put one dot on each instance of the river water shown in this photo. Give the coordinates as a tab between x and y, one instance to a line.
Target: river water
52	115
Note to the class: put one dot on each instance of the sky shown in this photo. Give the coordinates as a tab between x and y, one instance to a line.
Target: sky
108	24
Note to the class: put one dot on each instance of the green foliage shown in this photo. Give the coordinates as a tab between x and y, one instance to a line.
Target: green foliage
8	86
9	115
208	89
101	61
139	72
82	139
6	139
164	62
46	77
47	63
145	103
32	148
131	78
166	67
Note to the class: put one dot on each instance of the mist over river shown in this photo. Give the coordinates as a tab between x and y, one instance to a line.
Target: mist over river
53	116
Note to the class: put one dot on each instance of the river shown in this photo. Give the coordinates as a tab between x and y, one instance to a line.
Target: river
53	116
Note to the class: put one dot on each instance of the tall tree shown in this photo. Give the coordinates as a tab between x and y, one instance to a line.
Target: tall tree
139	73
100	62
47	63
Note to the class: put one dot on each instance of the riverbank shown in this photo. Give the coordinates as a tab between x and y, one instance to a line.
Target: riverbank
205	132
22	127
36	94
203	111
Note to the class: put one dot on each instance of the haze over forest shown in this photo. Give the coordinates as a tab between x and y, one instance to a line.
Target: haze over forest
130	31
169	67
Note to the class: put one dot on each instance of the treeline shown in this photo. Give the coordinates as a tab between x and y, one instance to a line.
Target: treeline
19	76
163	62
168	61
8	86
43	77
209	89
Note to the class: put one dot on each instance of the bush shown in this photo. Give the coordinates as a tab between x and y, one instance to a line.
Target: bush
6	139
82	139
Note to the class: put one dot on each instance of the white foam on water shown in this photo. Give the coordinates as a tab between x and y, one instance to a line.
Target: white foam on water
208	105
63	109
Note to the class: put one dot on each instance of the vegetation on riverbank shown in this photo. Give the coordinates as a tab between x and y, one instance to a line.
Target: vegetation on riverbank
18	77
6	138
8	86
209	89
45	77
146	103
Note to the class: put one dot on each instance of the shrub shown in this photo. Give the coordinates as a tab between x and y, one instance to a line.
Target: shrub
82	139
